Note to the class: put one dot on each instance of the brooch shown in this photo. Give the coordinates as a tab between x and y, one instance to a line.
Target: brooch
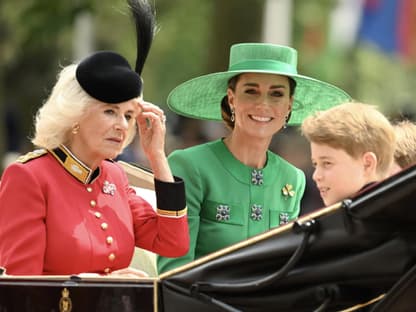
109	188
256	212
223	213
257	177
287	190
283	218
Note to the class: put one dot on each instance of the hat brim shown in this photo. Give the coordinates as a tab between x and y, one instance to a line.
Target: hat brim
201	97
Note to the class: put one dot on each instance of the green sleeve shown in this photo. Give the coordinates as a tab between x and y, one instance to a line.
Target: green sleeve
183	167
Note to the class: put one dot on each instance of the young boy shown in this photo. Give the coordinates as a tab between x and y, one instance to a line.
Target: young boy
405	153
352	146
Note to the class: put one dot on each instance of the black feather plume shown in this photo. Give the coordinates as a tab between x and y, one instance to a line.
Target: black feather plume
145	21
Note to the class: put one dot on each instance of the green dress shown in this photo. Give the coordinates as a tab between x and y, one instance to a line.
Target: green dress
228	201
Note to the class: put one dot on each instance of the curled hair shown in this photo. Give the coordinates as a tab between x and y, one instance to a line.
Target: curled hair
225	105
66	106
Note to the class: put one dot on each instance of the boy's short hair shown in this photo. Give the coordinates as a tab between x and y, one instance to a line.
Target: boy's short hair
355	128
405	153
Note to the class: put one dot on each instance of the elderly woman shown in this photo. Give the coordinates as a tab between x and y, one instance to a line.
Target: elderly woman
235	186
67	208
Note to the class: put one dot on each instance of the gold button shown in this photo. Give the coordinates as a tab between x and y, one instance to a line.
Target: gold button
104	226
93	203
107	270
109	240
111	257
89	189
97	214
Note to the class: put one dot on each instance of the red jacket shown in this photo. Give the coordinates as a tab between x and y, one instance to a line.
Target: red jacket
58	217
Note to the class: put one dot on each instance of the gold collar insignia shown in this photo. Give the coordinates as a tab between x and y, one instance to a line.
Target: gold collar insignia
73	165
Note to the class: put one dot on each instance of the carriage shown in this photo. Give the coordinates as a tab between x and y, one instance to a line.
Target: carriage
356	255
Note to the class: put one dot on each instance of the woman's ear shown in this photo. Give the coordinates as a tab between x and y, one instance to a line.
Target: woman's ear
292	98
289	111
230	95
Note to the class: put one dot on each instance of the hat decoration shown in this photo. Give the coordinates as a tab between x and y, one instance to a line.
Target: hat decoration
106	75
201	97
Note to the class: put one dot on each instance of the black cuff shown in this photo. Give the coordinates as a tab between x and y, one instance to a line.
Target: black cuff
170	196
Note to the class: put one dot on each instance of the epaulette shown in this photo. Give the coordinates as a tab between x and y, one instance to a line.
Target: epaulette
32	155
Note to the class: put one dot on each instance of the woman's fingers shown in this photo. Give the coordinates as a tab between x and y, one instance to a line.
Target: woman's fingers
150	107
148	119
149	114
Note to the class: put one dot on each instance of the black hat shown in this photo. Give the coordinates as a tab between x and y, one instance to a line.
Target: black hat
108	77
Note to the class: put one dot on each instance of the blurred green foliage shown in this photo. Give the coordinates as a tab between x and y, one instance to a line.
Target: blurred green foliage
193	38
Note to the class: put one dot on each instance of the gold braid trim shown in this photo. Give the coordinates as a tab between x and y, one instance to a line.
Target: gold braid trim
172	213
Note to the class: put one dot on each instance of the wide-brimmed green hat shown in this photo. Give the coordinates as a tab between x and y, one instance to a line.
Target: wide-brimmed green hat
201	97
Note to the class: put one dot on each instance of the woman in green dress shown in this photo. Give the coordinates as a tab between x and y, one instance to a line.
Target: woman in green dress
235	186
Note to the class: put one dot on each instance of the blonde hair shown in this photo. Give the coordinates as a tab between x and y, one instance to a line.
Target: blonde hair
65	106
355	128
405	153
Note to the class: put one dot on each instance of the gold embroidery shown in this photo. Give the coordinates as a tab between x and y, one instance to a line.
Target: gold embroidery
65	303
31	155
